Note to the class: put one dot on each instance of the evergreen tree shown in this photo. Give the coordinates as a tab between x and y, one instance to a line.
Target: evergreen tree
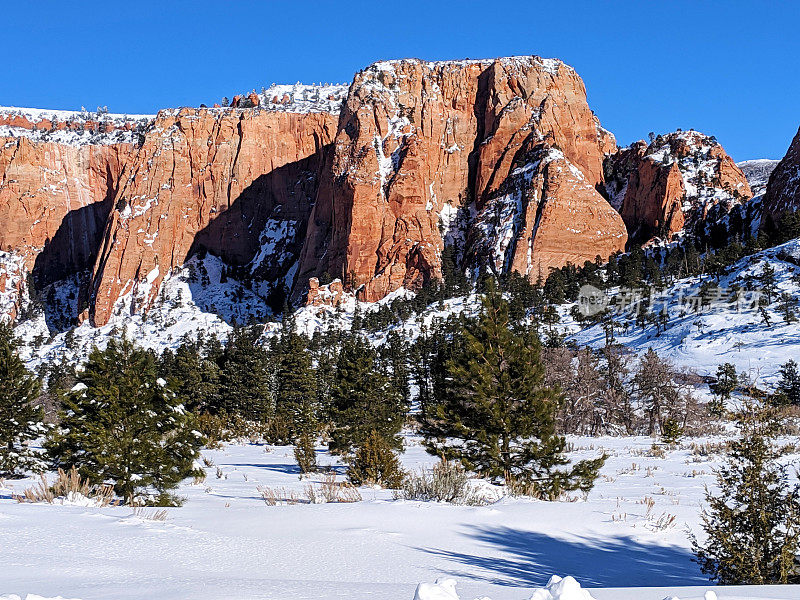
363	399
296	396
121	423
246	379
788	390
192	376
305	454
753	522
394	356
374	462
723	387
768	282
21	420
497	416
787	307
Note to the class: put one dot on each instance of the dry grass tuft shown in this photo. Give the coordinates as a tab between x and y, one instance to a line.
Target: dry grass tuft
68	485
150	515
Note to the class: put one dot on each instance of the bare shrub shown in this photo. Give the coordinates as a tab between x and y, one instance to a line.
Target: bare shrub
445	482
330	490
278	496
41	492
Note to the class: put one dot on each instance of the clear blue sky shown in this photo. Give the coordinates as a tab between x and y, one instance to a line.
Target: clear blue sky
731	69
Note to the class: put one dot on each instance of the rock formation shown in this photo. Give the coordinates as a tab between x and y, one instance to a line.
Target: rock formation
783	189
545	214
670	186
54	201
236	183
419	141
502	159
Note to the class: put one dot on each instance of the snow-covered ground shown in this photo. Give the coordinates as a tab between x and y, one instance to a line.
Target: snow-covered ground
724	332
226	542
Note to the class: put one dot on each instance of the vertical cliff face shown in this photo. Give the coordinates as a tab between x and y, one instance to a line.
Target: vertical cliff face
783	189
418	142
236	183
54	199
545	214
672	184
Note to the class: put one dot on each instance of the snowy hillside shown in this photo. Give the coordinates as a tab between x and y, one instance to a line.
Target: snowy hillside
757	172
725	331
194	300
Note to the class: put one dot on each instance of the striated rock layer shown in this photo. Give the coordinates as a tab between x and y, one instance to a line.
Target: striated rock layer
783	189
419	142
236	183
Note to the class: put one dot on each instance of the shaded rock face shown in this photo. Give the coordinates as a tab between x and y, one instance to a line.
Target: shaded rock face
783	189
236	183
420	144
545	214
54	202
673	185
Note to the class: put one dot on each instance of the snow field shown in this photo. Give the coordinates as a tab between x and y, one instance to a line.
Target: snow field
225	541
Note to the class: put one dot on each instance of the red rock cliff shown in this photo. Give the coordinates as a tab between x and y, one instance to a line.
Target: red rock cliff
783	189
237	183
670	185
417	141
54	200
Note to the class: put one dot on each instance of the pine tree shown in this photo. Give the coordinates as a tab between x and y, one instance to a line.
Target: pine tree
246	379
394	357
768	282
21	421
788	306
788	390
305	454
192	376
296	396
363	399
497	416
121	423
723	387
752	523
374	462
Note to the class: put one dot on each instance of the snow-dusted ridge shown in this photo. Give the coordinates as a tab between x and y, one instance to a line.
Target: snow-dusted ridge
551	65
72	128
303	98
757	172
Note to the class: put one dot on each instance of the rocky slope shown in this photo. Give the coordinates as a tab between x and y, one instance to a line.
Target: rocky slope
545	214
673	185
419	143
757	172
783	189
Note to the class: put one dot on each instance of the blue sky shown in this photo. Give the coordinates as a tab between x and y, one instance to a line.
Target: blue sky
731	69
